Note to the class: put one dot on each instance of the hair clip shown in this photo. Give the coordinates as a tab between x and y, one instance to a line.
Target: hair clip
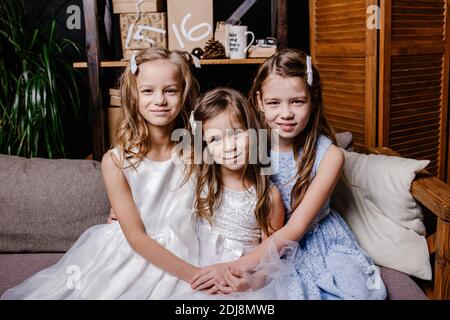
196	61
192	122
133	64
309	70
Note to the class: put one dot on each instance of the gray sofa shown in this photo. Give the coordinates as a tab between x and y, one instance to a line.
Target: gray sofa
45	205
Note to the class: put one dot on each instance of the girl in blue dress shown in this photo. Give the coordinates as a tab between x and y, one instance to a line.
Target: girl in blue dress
328	263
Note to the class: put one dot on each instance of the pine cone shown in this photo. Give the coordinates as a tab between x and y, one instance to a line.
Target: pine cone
214	50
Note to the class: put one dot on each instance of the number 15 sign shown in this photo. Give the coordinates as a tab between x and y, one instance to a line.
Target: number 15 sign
189	23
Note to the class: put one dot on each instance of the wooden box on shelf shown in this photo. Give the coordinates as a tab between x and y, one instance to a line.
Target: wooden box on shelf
147	30
191	23
129	6
261	52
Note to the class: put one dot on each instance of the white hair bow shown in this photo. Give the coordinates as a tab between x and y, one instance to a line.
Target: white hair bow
192	122
309	70
133	64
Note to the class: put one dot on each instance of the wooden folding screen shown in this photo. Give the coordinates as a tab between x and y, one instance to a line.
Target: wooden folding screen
344	49
414	80
387	85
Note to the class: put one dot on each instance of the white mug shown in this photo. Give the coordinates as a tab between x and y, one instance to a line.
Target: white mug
237	41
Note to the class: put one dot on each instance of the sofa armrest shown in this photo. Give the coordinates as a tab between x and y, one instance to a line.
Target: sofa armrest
435	195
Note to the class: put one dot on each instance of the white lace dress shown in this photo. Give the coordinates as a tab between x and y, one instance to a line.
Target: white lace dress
234	230
234	233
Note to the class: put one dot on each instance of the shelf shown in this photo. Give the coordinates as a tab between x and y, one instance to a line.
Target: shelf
124	63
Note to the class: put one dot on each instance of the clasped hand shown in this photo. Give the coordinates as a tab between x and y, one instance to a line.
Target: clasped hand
221	278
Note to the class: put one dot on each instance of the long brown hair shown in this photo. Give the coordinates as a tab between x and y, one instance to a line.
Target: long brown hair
289	63
132	134
209	106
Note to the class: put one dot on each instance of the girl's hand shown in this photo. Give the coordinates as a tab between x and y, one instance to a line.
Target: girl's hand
112	216
209	276
214	290
236	281
243	280
190	272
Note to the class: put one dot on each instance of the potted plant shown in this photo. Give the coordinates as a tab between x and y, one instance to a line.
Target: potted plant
39	93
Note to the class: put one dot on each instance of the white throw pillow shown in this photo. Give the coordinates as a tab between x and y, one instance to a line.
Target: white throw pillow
375	201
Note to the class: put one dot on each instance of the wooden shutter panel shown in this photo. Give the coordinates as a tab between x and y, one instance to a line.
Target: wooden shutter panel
414	80
345	51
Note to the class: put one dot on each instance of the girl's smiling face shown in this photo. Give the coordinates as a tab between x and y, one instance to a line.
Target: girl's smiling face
286	104
227	141
160	92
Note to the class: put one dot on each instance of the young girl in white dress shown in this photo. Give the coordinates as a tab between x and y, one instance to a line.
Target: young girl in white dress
151	252
236	205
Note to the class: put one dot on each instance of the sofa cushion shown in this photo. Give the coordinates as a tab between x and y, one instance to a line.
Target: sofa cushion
375	200
400	286
15	268
45	204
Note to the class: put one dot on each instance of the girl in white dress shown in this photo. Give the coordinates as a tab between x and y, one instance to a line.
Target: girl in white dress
151	252
236	204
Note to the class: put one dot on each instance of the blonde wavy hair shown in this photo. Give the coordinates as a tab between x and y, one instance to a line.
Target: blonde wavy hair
132	134
237	106
289	63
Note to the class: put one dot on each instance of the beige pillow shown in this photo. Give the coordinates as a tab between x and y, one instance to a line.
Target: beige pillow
375	200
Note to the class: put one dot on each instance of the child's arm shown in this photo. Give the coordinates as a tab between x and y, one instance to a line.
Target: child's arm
112	216
276	216
131	224
303	216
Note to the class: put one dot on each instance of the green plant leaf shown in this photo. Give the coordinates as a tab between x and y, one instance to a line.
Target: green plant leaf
39	87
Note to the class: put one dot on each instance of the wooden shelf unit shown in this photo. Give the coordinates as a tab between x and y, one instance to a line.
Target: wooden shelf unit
124	63
92	17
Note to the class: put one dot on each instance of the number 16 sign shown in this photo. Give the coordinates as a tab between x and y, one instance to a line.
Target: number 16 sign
189	23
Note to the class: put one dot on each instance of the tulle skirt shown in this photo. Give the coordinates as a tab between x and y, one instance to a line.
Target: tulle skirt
266	279
326	264
102	265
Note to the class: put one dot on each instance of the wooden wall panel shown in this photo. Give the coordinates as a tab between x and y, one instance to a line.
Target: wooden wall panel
414	80
345	52
344	94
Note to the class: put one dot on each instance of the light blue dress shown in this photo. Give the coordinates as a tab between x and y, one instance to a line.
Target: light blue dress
328	262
